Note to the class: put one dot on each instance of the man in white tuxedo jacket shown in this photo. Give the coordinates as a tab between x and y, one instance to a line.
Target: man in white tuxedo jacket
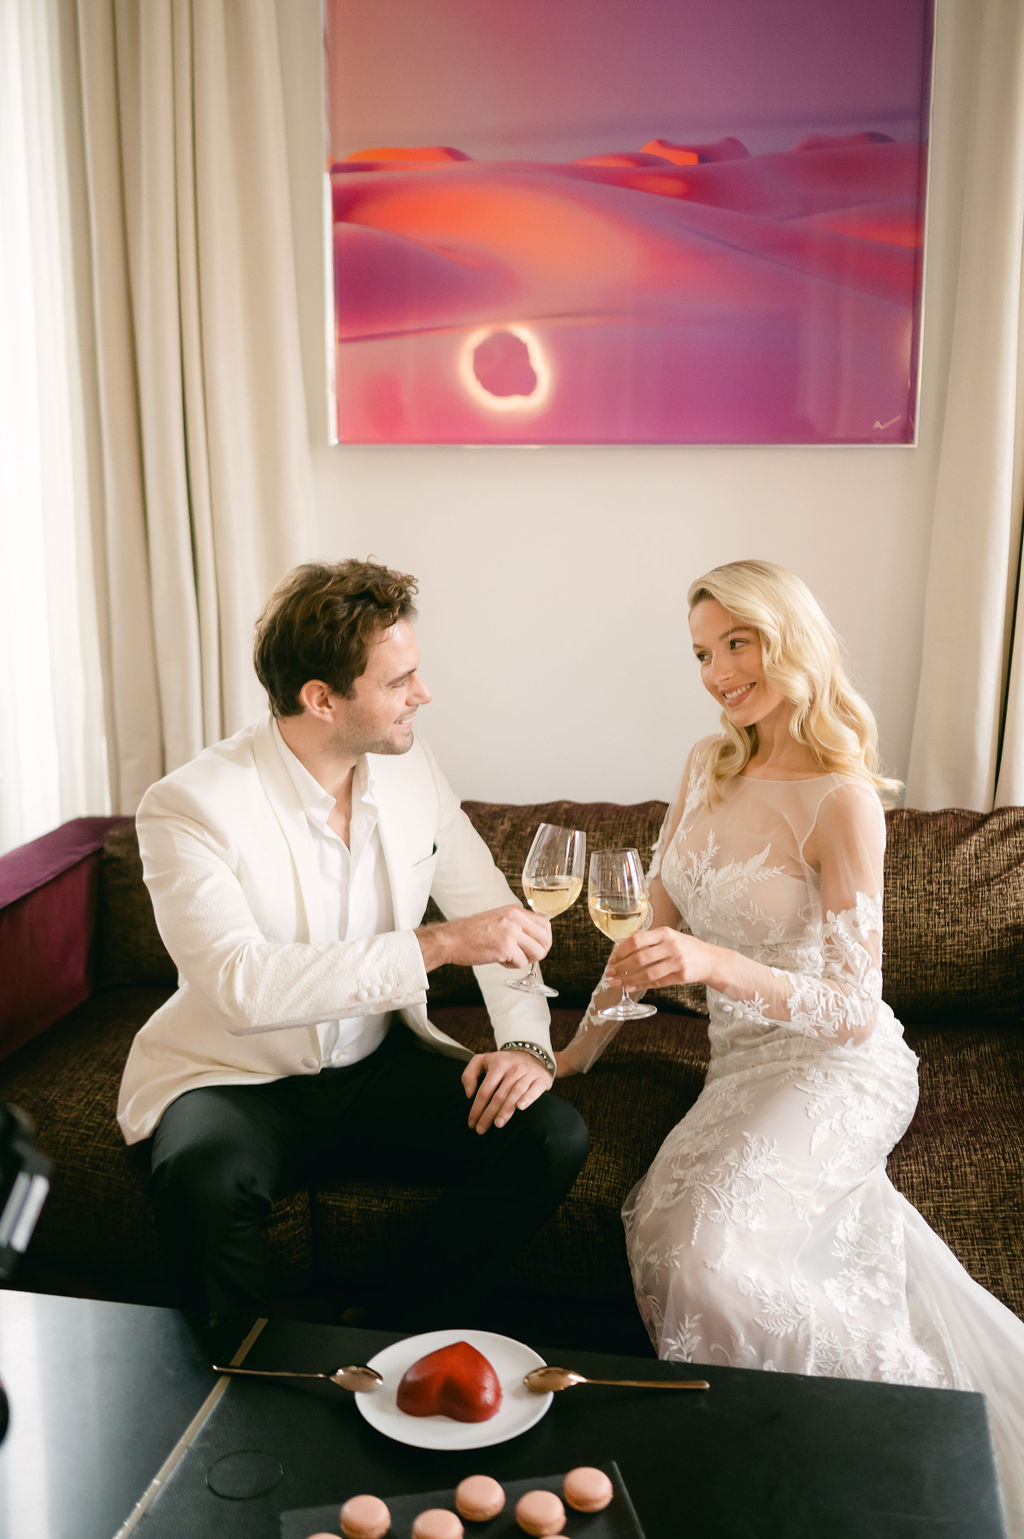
289	868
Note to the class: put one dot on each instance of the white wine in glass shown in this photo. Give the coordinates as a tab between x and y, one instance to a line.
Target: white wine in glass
552	881
619	905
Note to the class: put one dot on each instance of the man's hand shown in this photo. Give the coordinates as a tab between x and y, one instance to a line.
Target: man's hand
512	935
502	1083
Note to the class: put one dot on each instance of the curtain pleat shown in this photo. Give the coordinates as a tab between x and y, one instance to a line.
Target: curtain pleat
969	727
52	738
202	433
255	415
1010	775
148	90
134	739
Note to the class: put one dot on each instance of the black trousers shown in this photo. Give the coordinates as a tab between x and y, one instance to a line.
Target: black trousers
222	1155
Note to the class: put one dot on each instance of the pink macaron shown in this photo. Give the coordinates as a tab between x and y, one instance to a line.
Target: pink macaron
540	1513
478	1498
365	1517
437	1523
587	1489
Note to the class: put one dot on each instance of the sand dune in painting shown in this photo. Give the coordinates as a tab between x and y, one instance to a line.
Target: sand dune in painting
676	293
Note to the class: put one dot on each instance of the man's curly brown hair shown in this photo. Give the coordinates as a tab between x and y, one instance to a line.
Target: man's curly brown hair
320	622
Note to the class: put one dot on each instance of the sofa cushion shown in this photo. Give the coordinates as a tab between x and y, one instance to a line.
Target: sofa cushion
961	1163
96	1221
129	951
954	916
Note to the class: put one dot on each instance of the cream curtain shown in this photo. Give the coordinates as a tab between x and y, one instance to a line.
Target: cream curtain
968	742
52	752
201	479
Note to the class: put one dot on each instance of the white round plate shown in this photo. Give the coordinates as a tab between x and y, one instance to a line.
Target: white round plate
519	1408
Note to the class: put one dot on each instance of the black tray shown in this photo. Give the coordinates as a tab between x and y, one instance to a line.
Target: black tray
617	1521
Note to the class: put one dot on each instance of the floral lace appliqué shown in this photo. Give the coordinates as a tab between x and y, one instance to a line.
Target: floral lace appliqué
766	1233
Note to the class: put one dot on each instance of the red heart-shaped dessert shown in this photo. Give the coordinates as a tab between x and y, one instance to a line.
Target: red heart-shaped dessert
455	1381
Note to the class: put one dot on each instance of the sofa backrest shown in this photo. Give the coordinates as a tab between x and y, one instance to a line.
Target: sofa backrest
129	951
954	915
954	909
954	906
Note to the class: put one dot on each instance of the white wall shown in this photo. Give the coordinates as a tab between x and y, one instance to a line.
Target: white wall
552	614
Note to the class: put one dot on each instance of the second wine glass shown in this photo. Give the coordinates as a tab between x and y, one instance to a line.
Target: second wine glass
619	905
552	881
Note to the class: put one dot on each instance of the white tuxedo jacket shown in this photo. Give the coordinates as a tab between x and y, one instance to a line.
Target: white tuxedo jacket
231	868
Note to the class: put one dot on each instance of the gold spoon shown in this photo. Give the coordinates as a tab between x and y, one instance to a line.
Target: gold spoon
542	1380
356	1377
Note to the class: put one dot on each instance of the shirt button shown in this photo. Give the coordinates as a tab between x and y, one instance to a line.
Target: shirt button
364	993
310	1063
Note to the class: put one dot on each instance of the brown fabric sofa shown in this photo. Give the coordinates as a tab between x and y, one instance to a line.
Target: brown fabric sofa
75	904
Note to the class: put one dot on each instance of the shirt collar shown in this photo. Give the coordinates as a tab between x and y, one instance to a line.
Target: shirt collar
317	803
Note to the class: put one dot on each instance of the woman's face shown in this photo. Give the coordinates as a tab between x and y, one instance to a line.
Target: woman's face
731	668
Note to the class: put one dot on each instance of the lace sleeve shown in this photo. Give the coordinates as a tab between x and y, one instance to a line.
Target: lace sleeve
660	844
837	994
592	1035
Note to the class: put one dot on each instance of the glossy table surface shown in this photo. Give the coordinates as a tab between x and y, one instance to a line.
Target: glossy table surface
98	1396
106	1397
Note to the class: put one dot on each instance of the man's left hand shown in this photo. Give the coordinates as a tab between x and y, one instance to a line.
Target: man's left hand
502	1083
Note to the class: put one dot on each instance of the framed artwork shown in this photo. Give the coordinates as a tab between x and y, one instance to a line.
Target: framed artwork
596	222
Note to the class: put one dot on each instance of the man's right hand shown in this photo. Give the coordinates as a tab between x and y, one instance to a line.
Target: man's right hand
512	935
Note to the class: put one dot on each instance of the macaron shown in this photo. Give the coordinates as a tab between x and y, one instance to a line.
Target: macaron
437	1523
478	1498
540	1513
365	1517
587	1489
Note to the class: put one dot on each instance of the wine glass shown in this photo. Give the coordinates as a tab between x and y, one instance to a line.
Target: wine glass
619	905
552	881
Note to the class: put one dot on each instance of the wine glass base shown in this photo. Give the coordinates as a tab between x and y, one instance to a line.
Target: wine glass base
626	1012
528	986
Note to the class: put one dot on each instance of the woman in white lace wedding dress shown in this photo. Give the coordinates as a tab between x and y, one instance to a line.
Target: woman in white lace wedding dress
766	1233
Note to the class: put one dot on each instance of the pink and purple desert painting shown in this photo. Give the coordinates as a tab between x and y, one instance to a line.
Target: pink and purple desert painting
601	222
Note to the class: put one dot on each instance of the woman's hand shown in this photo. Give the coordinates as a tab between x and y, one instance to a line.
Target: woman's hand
654	959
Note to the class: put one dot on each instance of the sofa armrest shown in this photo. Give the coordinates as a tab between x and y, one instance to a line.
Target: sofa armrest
47	926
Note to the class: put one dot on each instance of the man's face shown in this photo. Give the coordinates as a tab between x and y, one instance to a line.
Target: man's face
378	718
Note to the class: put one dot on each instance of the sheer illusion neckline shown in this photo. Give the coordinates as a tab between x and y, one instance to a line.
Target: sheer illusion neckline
787	780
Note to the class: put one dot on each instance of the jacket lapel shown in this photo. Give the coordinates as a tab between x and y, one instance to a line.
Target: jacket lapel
406	824
281	794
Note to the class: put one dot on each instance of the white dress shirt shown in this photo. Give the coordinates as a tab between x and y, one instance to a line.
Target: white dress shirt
356	893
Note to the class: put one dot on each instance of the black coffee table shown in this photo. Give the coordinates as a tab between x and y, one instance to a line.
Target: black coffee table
99	1394
102	1393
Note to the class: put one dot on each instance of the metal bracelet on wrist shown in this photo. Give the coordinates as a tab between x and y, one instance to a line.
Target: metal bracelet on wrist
537	1051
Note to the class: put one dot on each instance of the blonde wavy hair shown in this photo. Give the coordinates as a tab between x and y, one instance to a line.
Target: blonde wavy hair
801	656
